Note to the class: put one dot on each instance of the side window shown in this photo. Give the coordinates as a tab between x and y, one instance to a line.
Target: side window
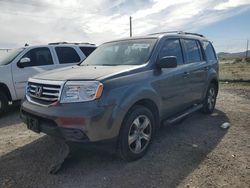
209	50
87	50
39	57
193	50
67	55
172	47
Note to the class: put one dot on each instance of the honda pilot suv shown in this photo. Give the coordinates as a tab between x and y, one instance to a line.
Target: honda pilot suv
124	91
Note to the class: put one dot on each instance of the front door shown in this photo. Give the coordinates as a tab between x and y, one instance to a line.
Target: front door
40	61
172	83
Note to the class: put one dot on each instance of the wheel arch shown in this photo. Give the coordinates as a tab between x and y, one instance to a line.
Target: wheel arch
147	103
216	83
151	105
4	88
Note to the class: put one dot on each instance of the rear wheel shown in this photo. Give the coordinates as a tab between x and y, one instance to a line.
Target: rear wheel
136	133
210	100
3	103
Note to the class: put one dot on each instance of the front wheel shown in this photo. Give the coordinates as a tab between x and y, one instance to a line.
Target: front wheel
136	133
210	100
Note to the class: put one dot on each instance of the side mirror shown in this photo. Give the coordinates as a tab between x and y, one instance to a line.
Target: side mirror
167	62
23	62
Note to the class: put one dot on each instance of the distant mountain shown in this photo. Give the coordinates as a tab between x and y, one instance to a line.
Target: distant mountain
226	55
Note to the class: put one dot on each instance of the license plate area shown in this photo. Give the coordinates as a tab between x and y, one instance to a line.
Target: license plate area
33	124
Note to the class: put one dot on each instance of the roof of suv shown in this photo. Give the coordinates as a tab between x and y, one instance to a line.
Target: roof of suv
73	43
55	44
163	34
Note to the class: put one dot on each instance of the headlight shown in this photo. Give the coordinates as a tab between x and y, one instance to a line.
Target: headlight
80	91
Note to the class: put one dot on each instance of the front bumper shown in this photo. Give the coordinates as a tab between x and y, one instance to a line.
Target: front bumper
77	122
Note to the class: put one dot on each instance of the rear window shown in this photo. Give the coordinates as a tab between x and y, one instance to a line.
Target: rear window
67	55
209	50
193	50
87	50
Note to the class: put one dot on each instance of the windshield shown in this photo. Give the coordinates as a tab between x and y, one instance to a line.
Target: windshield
129	52
9	56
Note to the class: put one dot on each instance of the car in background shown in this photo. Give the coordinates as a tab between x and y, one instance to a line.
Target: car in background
19	64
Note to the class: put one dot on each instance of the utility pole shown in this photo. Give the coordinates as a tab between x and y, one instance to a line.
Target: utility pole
247	49
130	24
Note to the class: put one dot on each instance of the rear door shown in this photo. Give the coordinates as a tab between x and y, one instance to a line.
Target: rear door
196	72
67	56
40	61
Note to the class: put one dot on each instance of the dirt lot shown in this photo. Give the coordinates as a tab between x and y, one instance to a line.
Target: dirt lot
195	153
233	70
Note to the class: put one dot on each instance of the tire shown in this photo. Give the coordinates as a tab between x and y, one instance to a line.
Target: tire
210	100
136	133
3	103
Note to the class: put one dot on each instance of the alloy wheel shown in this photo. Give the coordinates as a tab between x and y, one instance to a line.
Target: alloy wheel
211	98
139	134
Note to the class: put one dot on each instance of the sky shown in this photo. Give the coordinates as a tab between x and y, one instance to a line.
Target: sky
225	22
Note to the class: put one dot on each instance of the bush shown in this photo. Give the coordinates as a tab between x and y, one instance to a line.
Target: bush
247	60
238	60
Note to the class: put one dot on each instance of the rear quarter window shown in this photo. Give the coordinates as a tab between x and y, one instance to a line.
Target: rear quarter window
209	51
87	50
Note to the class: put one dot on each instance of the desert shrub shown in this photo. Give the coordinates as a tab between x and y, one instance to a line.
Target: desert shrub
237	60
247	60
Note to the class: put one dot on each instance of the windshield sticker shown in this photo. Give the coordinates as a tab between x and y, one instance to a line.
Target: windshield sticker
140	45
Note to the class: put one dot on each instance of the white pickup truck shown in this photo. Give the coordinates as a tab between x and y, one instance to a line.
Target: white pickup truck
18	65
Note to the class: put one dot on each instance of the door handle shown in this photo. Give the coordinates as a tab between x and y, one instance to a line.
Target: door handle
206	68
186	74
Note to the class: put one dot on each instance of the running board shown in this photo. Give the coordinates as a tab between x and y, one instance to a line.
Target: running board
186	113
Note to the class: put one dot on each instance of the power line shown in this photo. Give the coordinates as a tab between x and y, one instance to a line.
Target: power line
247	49
130	25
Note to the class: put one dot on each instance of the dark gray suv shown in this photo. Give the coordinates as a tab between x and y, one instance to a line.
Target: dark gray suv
124	91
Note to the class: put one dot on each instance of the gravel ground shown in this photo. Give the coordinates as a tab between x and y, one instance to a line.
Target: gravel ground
195	153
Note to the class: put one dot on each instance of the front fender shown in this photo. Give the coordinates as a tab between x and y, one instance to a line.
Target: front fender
133	95
128	98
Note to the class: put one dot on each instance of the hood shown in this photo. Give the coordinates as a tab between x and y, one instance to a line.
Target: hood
84	72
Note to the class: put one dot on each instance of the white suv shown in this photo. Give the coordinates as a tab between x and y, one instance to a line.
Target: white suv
20	64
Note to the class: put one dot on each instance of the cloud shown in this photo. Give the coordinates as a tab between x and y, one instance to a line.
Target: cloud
231	4
98	21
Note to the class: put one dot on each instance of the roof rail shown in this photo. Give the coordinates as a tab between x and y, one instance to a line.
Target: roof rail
165	32
179	32
75	43
197	34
